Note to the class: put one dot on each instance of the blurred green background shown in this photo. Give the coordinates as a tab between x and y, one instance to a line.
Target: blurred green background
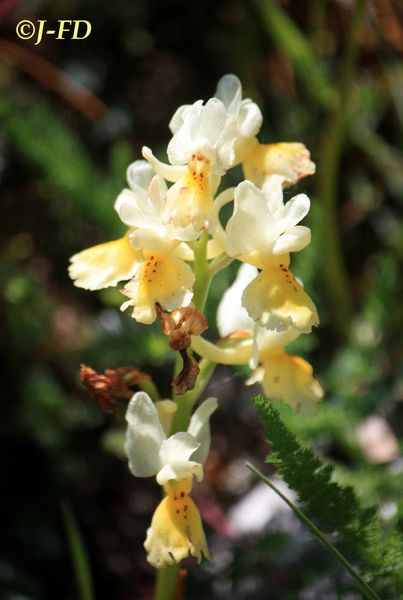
73	115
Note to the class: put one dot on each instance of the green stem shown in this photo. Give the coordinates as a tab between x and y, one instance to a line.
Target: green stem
203	278
148	386
182	415
218	264
167	583
361	584
334	271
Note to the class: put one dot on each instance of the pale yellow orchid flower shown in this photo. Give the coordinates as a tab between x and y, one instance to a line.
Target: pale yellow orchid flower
176	528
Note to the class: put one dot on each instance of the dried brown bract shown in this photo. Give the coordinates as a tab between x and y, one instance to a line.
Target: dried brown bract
114	384
179	326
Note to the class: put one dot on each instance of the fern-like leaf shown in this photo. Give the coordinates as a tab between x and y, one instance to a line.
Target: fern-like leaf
357	531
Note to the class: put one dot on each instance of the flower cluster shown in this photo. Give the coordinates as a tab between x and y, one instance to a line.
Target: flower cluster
174	245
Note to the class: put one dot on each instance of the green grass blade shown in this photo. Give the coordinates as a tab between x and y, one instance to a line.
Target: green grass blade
293	44
78	553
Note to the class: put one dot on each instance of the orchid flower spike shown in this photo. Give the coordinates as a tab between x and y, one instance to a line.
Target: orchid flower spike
176	529
262	232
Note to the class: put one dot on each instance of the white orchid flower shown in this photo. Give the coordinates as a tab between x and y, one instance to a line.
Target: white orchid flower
150	452
261	232
176	528
149	255
282	375
107	264
204	145
160	276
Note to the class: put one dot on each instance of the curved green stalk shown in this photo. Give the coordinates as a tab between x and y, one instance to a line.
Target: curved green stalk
361	584
334	271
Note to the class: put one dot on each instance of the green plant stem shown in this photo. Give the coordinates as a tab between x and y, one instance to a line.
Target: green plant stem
203	278
182	416
167	583
361	584
334	272
148	386
220	263
78	553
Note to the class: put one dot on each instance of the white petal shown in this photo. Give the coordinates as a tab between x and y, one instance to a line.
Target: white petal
148	240
251	227
142	210
178	448
178	118
293	240
228	140
273	192
269	340
231	315
229	91
213	120
250	118
144	436
139	175
199	132
296	209
168	172
199	428
180	470
179	147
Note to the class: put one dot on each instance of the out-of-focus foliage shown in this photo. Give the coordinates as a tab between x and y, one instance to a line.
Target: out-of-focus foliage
60	173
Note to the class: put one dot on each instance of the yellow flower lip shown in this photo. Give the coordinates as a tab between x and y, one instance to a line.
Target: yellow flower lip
291	160
104	265
176	528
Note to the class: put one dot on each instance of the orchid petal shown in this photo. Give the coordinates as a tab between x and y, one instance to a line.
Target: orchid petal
104	265
293	240
229	91
199	428
231	315
144	436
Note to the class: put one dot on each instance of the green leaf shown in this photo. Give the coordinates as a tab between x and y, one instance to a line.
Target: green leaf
358	531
